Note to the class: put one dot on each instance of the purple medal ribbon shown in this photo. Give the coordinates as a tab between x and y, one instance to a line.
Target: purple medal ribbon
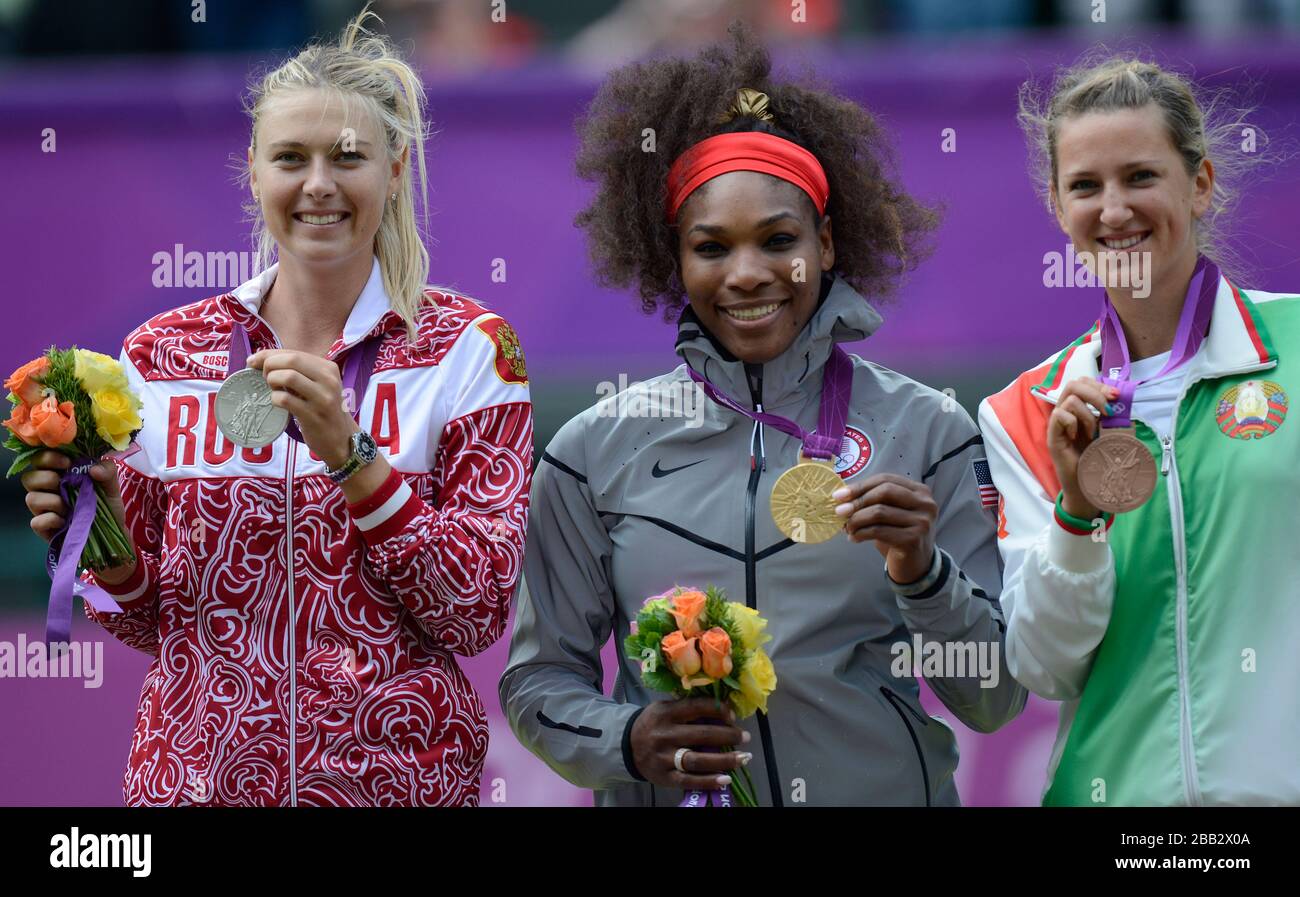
63	557
1198	306
358	367
719	798
698	798
824	442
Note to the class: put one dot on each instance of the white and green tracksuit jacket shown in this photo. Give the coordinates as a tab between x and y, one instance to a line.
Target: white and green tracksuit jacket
1170	640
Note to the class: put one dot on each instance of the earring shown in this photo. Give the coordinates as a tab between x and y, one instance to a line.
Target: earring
394	197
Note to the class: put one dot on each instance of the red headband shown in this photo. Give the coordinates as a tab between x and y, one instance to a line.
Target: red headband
746	151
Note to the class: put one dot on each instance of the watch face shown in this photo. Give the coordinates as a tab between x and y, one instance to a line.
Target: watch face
366	447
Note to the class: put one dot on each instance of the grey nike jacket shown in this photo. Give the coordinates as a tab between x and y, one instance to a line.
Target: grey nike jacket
630	499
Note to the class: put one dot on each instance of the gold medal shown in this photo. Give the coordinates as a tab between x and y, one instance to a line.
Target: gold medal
801	501
1116	472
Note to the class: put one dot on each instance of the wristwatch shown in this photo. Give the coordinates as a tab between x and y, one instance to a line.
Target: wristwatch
364	451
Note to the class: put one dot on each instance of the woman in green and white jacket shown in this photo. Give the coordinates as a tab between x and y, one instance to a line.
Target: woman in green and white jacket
1165	631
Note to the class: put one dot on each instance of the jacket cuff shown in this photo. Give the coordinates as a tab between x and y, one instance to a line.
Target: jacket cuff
928	585
628	761
387	511
1075	553
132	589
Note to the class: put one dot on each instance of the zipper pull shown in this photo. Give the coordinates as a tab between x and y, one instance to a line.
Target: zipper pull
1164	463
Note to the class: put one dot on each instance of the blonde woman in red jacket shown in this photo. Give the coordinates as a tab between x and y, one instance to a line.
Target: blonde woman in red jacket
304	600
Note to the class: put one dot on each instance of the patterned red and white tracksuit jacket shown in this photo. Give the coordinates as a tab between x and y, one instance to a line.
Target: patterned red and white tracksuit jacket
360	701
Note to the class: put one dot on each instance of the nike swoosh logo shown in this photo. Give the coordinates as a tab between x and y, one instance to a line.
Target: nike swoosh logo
660	472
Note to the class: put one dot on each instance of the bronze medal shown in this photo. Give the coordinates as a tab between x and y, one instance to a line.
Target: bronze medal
1116	471
801	502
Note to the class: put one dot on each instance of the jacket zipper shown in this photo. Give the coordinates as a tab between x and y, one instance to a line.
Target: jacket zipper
894	700
293	609
757	461
1169	468
293	629
293	615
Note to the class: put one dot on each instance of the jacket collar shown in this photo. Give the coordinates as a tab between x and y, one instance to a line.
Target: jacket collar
841	316
370	312
1238	342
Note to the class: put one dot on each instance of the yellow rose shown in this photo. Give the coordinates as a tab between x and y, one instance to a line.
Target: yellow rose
97	371
750	624
757	681
116	416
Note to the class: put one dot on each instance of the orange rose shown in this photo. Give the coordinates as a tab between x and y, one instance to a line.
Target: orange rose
56	425
683	659
21	425
23	384
686	608
715	646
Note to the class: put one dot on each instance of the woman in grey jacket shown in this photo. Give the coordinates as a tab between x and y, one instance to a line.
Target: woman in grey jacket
660	486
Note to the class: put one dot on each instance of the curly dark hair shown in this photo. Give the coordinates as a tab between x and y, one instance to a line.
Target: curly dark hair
879	230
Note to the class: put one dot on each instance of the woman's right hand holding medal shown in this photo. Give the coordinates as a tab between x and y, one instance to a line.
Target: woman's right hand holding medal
1070	429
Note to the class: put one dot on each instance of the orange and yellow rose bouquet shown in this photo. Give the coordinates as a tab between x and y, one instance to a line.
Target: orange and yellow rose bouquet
77	402
695	643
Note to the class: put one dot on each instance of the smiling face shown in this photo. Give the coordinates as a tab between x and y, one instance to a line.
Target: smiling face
1121	185
752	255
322	192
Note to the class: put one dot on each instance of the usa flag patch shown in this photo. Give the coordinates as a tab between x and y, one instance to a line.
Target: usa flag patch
988	492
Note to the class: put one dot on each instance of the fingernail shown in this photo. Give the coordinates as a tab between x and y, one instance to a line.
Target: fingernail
840	494
844	509
1110	408
744	738
745	758
724	780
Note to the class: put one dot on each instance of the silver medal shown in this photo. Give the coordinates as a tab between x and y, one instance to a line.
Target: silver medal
245	413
